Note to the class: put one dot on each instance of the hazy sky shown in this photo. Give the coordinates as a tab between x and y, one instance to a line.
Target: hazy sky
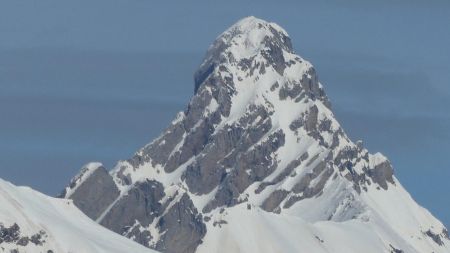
95	80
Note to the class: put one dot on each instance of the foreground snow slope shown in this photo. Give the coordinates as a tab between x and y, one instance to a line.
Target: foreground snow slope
257	162
390	225
33	222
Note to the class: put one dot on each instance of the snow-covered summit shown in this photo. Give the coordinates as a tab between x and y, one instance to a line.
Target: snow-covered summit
251	24
259	136
249	36
249	44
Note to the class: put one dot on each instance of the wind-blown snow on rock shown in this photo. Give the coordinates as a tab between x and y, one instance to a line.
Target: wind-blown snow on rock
257	162
33	222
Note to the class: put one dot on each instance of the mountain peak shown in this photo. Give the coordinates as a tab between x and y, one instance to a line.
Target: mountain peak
250	40
254	31
257	137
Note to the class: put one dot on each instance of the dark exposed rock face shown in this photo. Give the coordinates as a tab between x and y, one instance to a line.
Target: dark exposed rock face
181	227
13	235
142	237
259	123
382	174
435	237
272	203
395	250
445	233
249	167
96	193
179	223
142	204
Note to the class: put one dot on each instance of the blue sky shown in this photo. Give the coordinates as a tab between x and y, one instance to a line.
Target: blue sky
95	80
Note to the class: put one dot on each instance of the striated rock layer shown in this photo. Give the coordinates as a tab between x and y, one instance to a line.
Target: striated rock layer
257	155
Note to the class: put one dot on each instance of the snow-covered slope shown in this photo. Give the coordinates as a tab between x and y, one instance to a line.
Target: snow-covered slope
258	163
32	222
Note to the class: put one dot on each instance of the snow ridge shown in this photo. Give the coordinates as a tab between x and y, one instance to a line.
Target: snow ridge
33	222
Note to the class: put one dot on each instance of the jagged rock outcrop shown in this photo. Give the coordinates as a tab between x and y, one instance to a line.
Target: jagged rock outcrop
259	132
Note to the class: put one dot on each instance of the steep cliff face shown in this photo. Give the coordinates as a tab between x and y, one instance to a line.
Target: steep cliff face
257	147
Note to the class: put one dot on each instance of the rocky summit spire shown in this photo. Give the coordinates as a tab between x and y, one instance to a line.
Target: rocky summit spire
258	149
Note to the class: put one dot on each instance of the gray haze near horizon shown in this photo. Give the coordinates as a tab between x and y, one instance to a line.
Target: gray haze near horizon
95	80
